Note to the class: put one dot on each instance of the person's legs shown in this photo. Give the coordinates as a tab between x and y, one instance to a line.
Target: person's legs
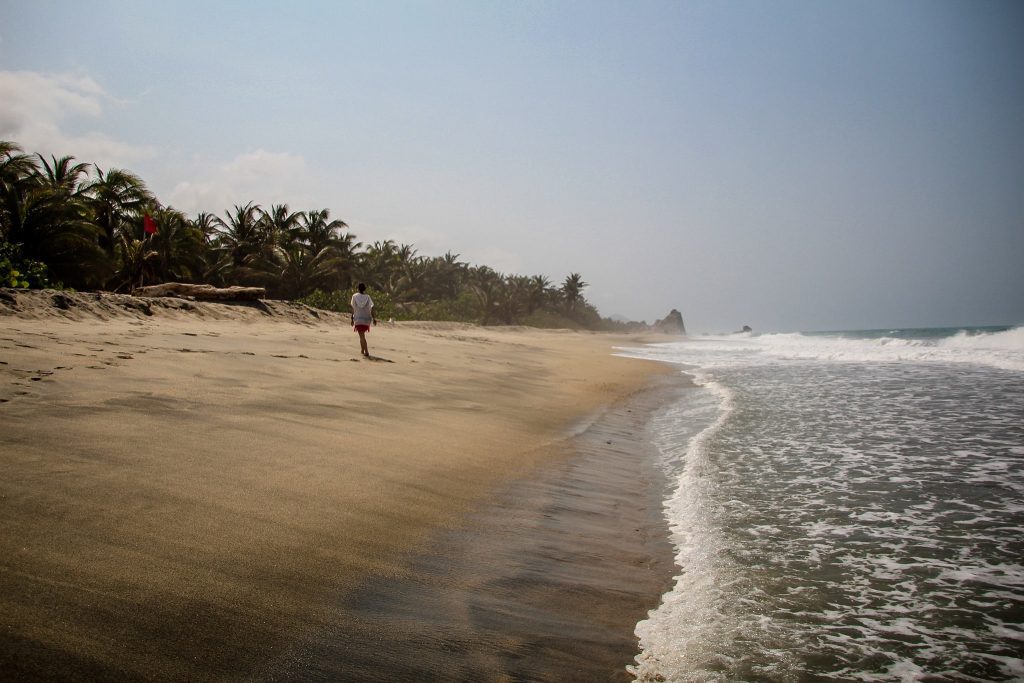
362	343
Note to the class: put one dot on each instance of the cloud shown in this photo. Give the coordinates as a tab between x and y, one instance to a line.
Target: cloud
38	109
262	177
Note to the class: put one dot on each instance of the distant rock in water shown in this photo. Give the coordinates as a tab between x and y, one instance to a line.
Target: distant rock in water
671	324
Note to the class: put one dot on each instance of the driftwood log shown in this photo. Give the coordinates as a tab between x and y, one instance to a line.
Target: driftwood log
202	292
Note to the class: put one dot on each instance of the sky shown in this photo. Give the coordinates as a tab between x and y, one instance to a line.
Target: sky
791	165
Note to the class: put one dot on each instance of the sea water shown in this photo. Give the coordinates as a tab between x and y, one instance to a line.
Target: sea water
845	507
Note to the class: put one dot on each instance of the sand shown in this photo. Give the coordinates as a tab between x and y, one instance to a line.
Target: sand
207	491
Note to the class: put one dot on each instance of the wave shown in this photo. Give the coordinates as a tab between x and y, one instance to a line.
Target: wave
1006	340
697	618
1002	349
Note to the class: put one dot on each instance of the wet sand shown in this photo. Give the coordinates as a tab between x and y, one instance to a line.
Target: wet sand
544	583
209	492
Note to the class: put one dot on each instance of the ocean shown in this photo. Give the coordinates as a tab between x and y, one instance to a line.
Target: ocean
844	507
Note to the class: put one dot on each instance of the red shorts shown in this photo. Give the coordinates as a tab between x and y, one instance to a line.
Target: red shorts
362	328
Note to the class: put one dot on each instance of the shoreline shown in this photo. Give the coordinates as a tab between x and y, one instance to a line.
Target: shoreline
193	489
546	582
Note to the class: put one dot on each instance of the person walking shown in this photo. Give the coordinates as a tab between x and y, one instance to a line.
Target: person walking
362	316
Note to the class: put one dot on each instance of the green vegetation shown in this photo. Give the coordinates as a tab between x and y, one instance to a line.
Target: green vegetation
74	223
22	273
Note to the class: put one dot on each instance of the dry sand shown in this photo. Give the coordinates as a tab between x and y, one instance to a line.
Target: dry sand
208	491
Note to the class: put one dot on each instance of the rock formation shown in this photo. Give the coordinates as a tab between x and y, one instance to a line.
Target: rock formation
670	324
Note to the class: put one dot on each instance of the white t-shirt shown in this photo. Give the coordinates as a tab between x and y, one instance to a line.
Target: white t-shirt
362	309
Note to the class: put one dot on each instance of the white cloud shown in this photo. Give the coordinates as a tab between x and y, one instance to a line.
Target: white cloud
37	109
63	114
262	177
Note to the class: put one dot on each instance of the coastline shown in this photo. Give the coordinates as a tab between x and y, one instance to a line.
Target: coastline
546	582
203	490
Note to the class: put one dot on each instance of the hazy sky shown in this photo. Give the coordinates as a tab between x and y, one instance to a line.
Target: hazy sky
791	165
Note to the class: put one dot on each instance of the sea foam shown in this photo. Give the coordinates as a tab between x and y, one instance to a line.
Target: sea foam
846	507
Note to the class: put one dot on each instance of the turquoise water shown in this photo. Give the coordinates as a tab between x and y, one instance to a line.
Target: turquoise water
846	506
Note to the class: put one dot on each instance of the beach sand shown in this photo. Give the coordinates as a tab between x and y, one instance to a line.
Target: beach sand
229	492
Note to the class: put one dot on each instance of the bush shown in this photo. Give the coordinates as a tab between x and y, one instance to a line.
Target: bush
546	318
340	301
336	301
22	273
463	309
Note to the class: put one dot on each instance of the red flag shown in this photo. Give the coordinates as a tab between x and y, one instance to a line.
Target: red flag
149	225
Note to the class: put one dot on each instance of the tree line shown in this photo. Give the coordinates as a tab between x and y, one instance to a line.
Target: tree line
75	225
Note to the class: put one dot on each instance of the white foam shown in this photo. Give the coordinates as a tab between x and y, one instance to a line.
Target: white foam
1003	350
849	513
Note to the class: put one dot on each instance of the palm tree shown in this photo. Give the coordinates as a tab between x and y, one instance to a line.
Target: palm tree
409	283
486	285
15	167
117	199
538	293
318	232
405	280
55	232
180	245
214	268
572	292
239	241
377	263
452	275
138	262
294	271
63	176
442	278
43	212
405	253
280	226
512	297
19	175
207	224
